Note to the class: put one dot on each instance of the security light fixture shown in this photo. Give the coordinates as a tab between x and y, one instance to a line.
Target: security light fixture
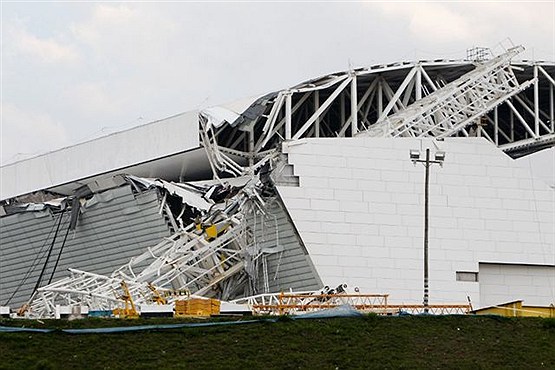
440	156
414	154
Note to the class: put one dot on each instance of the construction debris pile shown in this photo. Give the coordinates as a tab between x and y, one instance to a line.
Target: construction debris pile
209	255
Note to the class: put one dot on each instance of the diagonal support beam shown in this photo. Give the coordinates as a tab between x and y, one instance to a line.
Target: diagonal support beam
371	90
322	108
398	93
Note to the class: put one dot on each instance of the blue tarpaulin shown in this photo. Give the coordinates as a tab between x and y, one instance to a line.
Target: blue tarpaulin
9	329
340	311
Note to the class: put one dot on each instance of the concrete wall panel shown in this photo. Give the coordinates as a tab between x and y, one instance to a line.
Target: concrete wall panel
480	211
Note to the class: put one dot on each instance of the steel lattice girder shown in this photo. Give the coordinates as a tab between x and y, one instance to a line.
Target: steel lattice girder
456	105
426	98
82	288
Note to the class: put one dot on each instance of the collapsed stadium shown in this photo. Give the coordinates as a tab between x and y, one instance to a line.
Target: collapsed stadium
306	191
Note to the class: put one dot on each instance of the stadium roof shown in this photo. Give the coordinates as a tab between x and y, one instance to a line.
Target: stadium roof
509	103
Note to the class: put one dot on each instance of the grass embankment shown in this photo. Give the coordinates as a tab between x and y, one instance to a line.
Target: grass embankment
369	342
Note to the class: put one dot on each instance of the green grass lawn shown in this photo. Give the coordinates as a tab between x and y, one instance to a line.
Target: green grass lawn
368	342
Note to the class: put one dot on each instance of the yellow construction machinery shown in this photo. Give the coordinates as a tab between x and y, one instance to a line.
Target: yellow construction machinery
128	311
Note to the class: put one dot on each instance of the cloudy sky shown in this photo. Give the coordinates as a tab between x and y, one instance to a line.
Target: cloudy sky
75	71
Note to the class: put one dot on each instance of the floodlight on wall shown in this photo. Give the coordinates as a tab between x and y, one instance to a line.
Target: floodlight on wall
414	154
440	156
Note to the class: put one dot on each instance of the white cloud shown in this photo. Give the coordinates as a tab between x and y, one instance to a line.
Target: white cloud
93	30
91	98
124	33
458	25
26	134
433	22
47	50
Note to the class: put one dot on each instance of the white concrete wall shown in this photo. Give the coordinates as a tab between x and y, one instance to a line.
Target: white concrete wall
542	165
535	285
143	143
359	210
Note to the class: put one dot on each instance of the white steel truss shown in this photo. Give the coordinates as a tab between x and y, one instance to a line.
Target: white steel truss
81	288
187	260
453	107
509	103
